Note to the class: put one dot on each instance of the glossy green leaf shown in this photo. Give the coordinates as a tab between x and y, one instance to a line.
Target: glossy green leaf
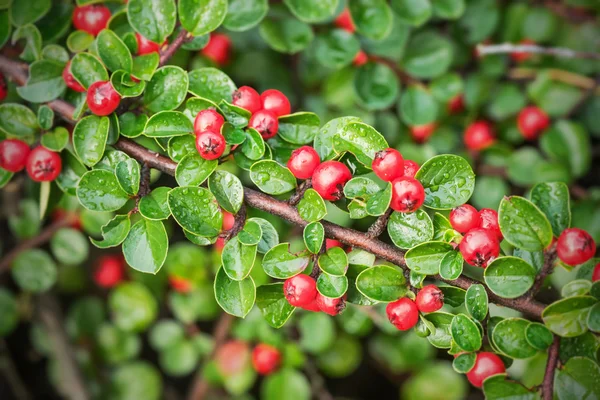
497	387
523	224
235	297
180	146
72	171
553	200
334	261
448	181
323	141
146	246
509	277
568	143
99	190
538	336
410	229
45	82
132	306
201	17
428	55
167	89
314	236
23	12
153	19
123	83
332	286
451	265
312	11
251	234
32	37
196	210
167	124
154	205
272	303
79	41
279	263
89	139
272	178
376	86
299	128
465	333
144	66
286	35
382	283
34	271
132	125
336	48
509	337
417	106
269	238
413	12
17	120
577	287
237	116
567	317
193	170
361	140
227	189
286	383
440	336
212	84
114	232
578	379
464	362
593	320
113	52
254	145
69	246
373	18
312	207
55	140
476	301
237	259
87	69
426	257
378	203
128	176
245	14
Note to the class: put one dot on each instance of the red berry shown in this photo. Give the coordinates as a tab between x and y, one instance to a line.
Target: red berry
421	133
344	21
228	221
303	162
70	79
479	136
109	271
265	122
464	218
331	306
265	359
518	56
430	299
300	290
3	88
312	306
532	121
407	194
486	365
596	273
410	168
276	102
456	104
329	243
218	48
402	313
479	246
219	244
13	155
575	246
360	58
208	120
388	164
102	98
180	285
146	46
210	145
247	98
488	219
92	18
232	358
329	179
43	165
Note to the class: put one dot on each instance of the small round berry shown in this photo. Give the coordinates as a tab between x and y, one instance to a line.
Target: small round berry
344	21
91	19
456	105
488	219
219	244
430	299
303	162
265	122
233	357
265	359
102	98
3	88
575	246
13	155
208	120
180	285
479	246
518	56
329	243
146	46
331	306
464	218
596	273
228	220
247	98
410	168
532	121
407	195
486	365
210	145
421	133
43	165
402	313
110	271
312	306
329	179
479	136
388	164
300	290
70	80
218	48
276	102
361	58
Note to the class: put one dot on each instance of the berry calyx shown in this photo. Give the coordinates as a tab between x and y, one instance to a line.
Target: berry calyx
208	120
146	46
210	145
479	246
488	219
456	105
464	218
479	136
518	56
344	21
410	168
300	290
407	194
596	273
228	220
91	19
402	313
3	88
303	162
360	58
331	306
265	359
532	121
70	80
430	299
575	246
247	98
388	164
180	285
421	133
265	122
13	155
486	365
43	165
218	48
110	271
102	98
329	179
276	102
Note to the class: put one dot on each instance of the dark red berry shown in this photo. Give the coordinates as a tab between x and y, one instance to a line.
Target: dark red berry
575	246
421	133
210	145
247	98
265	359
403	313
479	246
410	168
43	165
518	56
430	299
479	136
208	120
456	105
388	164
303	162
3	88
146	46
464	218
488	219
110	271
344	21
300	290
361	58
265	122
13	155
329	243
329	179
407	194
180	285
102	98
70	79
276	102
596	273
532	121
218	48
331	306
92	18
228	221
486	365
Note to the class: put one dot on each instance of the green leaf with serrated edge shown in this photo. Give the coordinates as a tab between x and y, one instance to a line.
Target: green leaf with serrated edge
251	234
354	296
332	286
121	81
17	120
312	207
323	142
334	261
577	287
89	139
34	271
593	319
410	229
361	140
554	201
440	336
245	14
465	333
476	301
45	82
567	317
113	52
228	190
144	66
167	89
273	305
272	178
426	257
235	297
378	203
237	259
99	190
196	210
523	224
79	41
128	176
87	69
509	277
336	48
286	35
180	146
360	187
412	12
211	84
270	236
312	11
193	170
453	296
299	128
153	19
451	266
314	236
376	86
373	18
146	246
538	336
509	337
154	205
235	115
463	363
382	283
202	17
448	181
279	263
56	140
497	387
233	135
254	145
114	232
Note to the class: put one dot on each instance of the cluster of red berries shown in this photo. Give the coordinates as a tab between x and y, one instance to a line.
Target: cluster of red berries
110	271
301	291
344	21
404	312
482	236
218	48
42	165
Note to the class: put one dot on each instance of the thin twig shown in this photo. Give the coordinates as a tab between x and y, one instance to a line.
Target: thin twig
509	48
570	78
547	268
379	225
299	193
144	180
548	382
168	52
317	383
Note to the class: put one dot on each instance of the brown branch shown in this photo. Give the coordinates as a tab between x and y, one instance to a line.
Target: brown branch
379	225
402	76
570	78
317	383
168	52
297	196
238	224
547	268
548	382
509	48
144	180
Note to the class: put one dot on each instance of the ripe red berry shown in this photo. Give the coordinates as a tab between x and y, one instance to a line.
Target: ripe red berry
92	18
402	313
232	357
532	121
360	58
210	145
276	102
488	219
479	136
407	194
43	165
518	56
329	243
430	299
228	221
3	88
110	270
421	133
596	273
13	155
265	122
456	104
344	21
312	306
479	246
300	290
303	162
70	79
388	164
247	98
180	285
102	98
331	306
219	244
575	246
329	179
486	365
146	46
464	218
265	359
410	168
208	120
218	48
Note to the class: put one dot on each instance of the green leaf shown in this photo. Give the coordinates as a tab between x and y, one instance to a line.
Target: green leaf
5	27
376	86
272	178
237	259
154	205
132	306
153	19
99	190
56	140
440	336
476	301
243	15
413	12
382	283
17	120
323	141
201	17
79	41
146	246
113	52
577	380
237	116
144	66
299	128
286	383
87	69
9	312
428	55
211	84
577	287
272	303
332	286
361	140
269	238
426	257
72	171
312	207
286	35
373	18
360	187
34	271
33	42
227	189
523	224
196	210
193	170
336	48
251	234
465	333
451	266
509	337
568	143
123	83
179	146
448	181
464	362
554	201
167	89
593	320
538	336
334	261
567	317
167	124
89	139
5	177
496	387
45	116
128	175
23	12
69	246
417	106
45	82
132	125
254	145
312	11
410	229
279	263
314	236
114	232
234	135
235	297
378	203
509	277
